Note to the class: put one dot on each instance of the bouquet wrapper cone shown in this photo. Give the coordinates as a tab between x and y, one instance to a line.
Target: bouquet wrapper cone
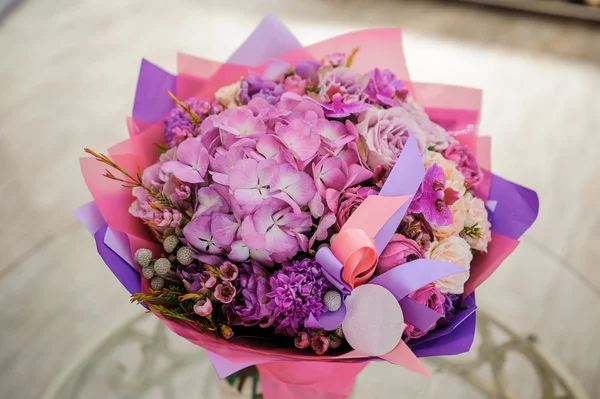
297	380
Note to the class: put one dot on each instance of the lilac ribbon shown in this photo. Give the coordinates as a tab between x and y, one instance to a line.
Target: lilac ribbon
404	180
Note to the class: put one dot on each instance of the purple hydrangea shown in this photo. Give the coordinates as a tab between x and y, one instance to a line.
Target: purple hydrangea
256	86
249	307
179	125
297	290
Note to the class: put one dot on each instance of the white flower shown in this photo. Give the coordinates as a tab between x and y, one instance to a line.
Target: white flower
226	95
454	179
459	213
477	227
452	250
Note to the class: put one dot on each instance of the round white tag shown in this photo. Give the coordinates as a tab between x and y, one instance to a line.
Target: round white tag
374	321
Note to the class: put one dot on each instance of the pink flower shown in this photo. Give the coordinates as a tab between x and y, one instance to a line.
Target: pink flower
465	162
333	173
302	340
295	84
250	181
292	186
209	201
350	200
225	292
384	132
229	271
198	234
400	250
210	282
191	164
203	307
337	108
277	229
169	218
300	141
431	297
319	344
238	123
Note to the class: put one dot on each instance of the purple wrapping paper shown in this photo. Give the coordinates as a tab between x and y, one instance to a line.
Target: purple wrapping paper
270	39
151	99
441	342
515	207
126	274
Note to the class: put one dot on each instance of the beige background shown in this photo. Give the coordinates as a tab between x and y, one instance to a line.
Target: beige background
68	71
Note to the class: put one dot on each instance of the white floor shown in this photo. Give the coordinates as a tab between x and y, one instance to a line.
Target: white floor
68	71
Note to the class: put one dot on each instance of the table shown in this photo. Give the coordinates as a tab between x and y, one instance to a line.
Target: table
143	359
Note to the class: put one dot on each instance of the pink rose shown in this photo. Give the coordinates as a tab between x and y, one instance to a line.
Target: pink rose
295	84
465	162
350	200
383	133
431	297
400	250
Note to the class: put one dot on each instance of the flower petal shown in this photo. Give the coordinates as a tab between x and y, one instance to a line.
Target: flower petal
224	228
243	174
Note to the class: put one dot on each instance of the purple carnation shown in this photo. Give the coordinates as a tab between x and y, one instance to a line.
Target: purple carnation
384	89
256	86
249	307
179	125
297	290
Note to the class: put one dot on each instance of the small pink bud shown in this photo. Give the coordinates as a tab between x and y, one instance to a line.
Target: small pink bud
226	332
319	344
203	307
210	282
302	340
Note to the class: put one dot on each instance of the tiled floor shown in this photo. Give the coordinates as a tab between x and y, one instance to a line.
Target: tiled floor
68	71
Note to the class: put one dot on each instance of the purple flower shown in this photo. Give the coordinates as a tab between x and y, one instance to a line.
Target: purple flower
179	125
229	271
350	200
191	276
415	227
297	291
255	86
429	199
308	70
319	344
465	162
452	302
339	109
345	82
384	89
400	250
203	307
225	292
249	307
169	218
191	164
384	132
302	340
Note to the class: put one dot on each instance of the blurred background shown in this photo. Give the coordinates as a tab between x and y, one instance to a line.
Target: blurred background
68	70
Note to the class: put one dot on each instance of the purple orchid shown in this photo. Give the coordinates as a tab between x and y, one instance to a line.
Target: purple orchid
429	198
338	109
191	164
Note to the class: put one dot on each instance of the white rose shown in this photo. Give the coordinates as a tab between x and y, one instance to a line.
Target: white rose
459	213
226	95
452	250
477	227
454	179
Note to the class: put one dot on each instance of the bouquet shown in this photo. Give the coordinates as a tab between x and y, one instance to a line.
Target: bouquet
305	209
